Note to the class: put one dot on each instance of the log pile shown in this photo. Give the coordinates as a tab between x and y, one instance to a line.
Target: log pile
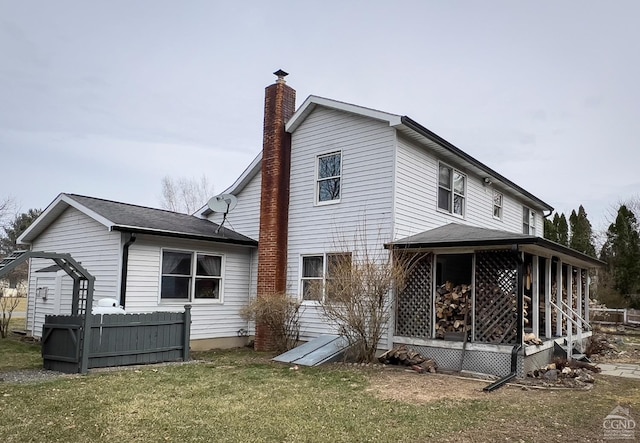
404	356
453	309
532	339
572	373
496	318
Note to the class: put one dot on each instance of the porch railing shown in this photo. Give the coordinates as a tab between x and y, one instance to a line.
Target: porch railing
569	314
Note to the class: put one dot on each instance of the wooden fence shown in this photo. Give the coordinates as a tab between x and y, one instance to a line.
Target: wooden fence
614	316
116	340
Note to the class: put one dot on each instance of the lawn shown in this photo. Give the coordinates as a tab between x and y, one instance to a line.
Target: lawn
236	396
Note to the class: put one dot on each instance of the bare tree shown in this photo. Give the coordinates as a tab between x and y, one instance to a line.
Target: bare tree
7	208
185	195
355	295
7	306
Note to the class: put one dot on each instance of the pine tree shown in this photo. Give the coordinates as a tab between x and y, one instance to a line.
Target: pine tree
563	230
550	230
8	242
621	251
581	232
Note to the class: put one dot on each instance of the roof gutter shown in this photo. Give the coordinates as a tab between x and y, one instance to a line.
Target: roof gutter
160	233
417	127
539	241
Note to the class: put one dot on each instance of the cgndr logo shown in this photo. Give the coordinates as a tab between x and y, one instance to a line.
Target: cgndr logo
619	425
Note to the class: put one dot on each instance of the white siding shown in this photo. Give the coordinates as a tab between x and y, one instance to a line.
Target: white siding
365	208
209	319
89	243
416	196
245	218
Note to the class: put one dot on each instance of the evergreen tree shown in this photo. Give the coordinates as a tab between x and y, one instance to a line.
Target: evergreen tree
563	230
8	242
581	232
550	230
621	251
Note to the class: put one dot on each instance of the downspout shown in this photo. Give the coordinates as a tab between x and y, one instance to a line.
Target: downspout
518	346
125	267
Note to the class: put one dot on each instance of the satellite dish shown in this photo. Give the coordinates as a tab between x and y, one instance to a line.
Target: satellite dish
222	203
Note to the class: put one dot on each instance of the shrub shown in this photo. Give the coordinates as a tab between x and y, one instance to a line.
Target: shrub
281	314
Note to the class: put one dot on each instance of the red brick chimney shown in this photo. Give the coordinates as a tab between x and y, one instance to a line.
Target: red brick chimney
279	106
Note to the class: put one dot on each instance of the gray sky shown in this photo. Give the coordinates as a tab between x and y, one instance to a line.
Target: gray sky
104	98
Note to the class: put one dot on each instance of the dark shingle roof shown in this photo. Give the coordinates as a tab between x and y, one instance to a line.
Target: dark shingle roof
457	235
132	218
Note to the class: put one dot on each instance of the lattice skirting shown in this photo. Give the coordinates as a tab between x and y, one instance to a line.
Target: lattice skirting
485	362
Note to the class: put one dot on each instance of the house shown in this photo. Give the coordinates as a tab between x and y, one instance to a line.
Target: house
330	170
149	259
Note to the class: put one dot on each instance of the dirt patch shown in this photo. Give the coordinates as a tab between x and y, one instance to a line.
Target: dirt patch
411	387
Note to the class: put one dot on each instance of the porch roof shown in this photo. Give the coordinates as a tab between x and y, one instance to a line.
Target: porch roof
455	235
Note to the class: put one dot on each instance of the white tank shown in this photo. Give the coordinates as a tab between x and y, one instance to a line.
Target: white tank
108	306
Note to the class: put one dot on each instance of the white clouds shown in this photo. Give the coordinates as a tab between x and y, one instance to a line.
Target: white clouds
113	95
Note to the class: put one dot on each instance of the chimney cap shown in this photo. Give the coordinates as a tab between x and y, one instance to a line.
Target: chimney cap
281	75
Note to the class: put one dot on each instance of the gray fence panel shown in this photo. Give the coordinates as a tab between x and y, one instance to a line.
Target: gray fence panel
62	343
126	339
116	340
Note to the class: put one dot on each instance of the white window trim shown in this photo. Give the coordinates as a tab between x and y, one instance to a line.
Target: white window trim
493	205
301	278
532	217
193	276
453	192
318	180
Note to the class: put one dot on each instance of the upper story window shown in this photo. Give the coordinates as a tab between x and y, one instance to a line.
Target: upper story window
452	190
190	276
328	178
318	269
498	200
528	221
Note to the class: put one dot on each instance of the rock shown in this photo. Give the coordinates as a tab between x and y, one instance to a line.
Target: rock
585	377
551	375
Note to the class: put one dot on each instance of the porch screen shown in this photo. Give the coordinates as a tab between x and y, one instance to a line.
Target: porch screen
496	318
413	303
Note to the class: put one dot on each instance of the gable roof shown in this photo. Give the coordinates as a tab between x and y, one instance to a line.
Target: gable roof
457	235
405	125
117	216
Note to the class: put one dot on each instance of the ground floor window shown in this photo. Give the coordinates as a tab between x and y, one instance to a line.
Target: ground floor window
317	269
191	276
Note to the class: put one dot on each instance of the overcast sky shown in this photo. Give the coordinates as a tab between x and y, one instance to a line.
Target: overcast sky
104	98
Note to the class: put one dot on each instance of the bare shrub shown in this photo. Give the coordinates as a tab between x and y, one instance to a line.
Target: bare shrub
281	314
7	306
356	296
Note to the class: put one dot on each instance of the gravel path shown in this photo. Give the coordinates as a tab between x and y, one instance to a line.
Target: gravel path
39	375
32	376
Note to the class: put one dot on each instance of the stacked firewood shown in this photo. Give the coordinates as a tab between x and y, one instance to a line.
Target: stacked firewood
499	310
404	356
453	309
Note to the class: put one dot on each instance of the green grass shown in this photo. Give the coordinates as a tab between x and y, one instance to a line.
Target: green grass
237	396
18	354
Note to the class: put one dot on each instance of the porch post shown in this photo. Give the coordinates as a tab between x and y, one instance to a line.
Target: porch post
569	311
535	297
586	298
559	298
579	302
547	298
473	298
